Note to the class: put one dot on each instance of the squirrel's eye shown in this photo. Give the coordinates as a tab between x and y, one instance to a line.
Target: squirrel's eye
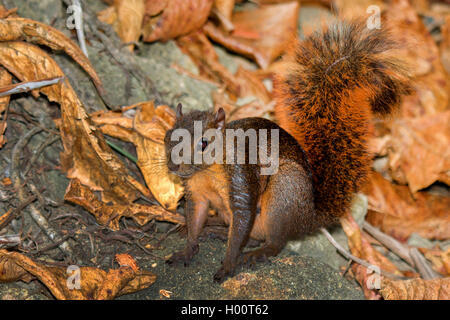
203	144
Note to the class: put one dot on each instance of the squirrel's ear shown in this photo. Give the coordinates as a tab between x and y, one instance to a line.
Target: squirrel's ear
179	110
220	118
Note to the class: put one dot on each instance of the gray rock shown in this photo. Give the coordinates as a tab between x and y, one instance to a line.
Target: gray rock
287	276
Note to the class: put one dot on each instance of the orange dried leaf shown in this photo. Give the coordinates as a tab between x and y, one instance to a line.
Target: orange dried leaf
440	259
5	80
421	55
445	44
396	212
109	215
273	28
416	289
360	247
5	216
203	54
146	131
177	18
126	16
86	155
36	32
93	283
419	152
225	7
125	260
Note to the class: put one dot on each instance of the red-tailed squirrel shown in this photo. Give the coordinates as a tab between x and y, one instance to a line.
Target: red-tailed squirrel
336	80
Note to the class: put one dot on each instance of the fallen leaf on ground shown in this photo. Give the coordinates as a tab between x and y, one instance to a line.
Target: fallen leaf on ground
416	289
421	56
261	34
440	259
360	247
5	80
126	17
419	152
197	46
95	284
146	130
176	18
36	32
109	215
397	212
445	44
86	155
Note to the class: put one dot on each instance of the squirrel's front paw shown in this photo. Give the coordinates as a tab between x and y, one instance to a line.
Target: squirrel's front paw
184	256
222	274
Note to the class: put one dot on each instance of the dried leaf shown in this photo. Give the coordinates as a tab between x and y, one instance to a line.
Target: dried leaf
125	260
36	32
146	131
261	34
5	13
177	18
109	215
251	85
421	55
445	45
440	259
225	7
94	283
360	247
398	213
419	152
126	17
203	54
416	289
86	155
5	80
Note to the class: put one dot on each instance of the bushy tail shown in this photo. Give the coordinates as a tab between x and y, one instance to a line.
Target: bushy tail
334	82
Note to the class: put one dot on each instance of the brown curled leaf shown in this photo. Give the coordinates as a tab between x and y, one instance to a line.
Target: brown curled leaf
177	18
126	16
146	130
86	155
94	284
419	152
439	259
36	32
360	247
203	54
397	212
5	80
261	34
416	289
109	215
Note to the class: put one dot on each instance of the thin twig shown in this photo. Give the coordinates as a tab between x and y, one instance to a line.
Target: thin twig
79	27
389	242
425	270
17	210
28	86
356	259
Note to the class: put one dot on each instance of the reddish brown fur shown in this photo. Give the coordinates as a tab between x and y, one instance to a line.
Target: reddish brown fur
326	98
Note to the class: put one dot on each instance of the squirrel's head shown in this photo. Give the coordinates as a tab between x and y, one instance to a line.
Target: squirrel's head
190	140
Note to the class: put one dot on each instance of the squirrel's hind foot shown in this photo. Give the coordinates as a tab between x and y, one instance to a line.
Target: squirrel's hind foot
185	256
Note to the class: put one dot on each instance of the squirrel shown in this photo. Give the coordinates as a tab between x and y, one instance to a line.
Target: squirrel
336	81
